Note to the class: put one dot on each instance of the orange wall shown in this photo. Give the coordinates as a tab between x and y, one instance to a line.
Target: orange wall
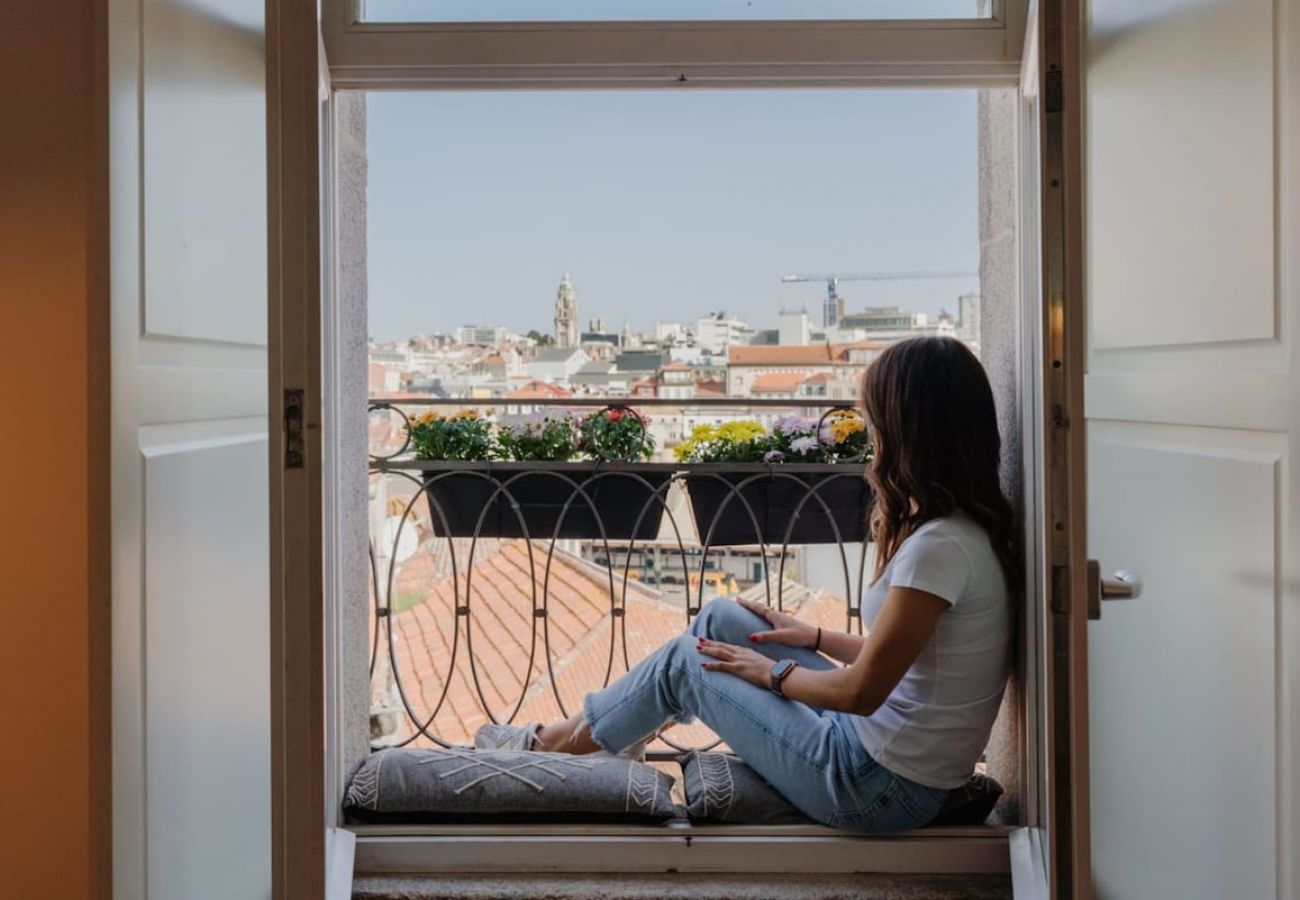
53	458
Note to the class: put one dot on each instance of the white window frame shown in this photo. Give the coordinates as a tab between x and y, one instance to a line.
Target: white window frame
982	52
974	53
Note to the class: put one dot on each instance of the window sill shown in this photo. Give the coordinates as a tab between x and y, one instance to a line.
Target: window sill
677	847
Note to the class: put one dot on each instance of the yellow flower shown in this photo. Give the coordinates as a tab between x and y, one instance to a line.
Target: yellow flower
467	414
744	430
731	432
845	427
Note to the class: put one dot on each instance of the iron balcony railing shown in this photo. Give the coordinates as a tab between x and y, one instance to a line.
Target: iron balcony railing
504	591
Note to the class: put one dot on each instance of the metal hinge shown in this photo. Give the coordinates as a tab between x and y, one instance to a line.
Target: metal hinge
1060	591
293	443
1053	91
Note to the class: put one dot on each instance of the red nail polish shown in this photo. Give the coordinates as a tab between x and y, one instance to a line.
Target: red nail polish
753	639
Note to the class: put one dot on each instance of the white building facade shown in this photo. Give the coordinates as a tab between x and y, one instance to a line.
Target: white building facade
716	334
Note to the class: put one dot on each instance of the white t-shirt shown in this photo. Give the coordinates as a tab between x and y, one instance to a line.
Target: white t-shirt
935	724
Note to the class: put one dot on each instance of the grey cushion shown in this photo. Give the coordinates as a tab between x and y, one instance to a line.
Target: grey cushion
721	788
401	785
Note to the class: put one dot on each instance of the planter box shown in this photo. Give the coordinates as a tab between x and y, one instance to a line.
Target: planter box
542	492
773	498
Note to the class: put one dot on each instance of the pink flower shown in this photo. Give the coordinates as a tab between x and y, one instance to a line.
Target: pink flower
614	415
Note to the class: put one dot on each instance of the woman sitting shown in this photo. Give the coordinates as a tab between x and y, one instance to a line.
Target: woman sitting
878	742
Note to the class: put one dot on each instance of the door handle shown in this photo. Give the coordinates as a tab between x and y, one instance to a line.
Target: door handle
1123	585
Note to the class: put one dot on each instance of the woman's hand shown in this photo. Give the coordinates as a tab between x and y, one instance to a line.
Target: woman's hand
742	662
786	629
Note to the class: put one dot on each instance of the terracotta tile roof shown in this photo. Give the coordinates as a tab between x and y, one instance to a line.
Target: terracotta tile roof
784	355
510	659
811	605
777	382
539	390
400	395
795	354
818	378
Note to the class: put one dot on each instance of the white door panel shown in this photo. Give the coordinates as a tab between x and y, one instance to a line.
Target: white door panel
1193	405
1180	171
204	132
191	619
206	643
1183	679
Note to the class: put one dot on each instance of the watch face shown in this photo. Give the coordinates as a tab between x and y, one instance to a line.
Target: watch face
779	671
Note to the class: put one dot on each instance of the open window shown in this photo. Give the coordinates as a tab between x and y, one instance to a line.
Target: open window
469	591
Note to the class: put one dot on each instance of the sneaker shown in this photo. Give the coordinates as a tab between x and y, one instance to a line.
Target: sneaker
506	737
524	737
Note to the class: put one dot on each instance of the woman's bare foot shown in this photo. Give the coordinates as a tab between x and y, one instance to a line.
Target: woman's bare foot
573	735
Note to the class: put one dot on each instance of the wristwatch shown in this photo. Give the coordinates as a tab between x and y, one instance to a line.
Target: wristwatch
780	671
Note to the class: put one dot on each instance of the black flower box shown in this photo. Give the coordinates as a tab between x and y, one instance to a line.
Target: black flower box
480	499
777	507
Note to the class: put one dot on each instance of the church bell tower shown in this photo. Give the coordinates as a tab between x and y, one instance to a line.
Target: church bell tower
566	314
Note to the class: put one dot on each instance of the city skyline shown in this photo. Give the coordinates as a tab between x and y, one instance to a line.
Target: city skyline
663	206
596	325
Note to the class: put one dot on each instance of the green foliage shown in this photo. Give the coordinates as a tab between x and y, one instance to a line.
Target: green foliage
463	436
611	434
616	433
404	599
548	438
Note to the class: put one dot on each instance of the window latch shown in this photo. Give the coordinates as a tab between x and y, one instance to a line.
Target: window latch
293	443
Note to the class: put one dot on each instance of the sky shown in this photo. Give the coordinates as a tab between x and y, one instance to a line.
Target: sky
663	205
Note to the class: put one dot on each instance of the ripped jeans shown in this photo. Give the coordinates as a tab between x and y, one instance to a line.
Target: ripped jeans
812	756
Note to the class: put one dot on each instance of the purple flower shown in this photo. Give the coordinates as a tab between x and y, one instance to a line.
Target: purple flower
805	445
795	425
773	456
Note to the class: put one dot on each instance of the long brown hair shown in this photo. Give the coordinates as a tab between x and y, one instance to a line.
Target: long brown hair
937	448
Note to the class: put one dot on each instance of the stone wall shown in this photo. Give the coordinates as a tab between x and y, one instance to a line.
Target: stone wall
1000	323
351	369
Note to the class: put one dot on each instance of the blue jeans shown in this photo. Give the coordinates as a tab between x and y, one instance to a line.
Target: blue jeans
812	756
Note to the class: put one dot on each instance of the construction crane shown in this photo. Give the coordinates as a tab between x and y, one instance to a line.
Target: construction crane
833	306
